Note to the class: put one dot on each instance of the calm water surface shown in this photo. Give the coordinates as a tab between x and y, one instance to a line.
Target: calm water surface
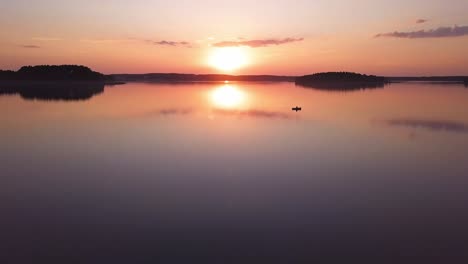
145	172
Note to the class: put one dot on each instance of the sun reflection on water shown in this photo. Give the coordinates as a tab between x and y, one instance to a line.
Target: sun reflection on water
228	96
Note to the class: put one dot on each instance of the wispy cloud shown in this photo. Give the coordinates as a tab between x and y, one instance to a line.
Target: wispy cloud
169	43
257	43
103	41
434	125
30	46
441	32
421	21
46	39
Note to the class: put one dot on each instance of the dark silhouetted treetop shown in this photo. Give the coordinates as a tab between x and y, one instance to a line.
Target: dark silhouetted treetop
341	81
7	75
58	73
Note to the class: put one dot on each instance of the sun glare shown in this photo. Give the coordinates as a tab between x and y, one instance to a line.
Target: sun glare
228	59
227	96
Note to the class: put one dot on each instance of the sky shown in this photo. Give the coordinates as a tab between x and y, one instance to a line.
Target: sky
392	38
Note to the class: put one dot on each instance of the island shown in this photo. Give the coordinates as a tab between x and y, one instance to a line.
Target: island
341	81
53	73
50	82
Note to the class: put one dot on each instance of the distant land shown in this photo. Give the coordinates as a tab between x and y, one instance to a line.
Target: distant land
456	79
28	77
64	82
300	80
52	73
341	81
179	77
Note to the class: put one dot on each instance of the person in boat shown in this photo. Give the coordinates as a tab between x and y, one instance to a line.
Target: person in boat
297	109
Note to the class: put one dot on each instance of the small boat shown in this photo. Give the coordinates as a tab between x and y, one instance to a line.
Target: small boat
297	109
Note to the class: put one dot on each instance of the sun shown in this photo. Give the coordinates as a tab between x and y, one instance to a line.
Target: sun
228	96
228	59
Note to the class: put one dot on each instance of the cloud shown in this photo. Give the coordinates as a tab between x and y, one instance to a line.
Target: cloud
421	21
138	40
169	43
103	41
30	46
46	39
434	125
441	32
257	43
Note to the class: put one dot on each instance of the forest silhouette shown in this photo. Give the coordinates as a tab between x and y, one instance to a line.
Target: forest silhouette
53	73
341	81
47	82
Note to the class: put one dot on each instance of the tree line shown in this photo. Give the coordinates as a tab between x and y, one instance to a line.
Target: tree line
53	73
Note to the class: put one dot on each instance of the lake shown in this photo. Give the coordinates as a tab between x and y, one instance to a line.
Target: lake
214	171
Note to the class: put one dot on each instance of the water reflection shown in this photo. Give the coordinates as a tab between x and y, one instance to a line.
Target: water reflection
176	111
256	113
142	172
228	96
52	91
434	125
343	86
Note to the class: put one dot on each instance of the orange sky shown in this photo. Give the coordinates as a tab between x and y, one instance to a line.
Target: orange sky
280	37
